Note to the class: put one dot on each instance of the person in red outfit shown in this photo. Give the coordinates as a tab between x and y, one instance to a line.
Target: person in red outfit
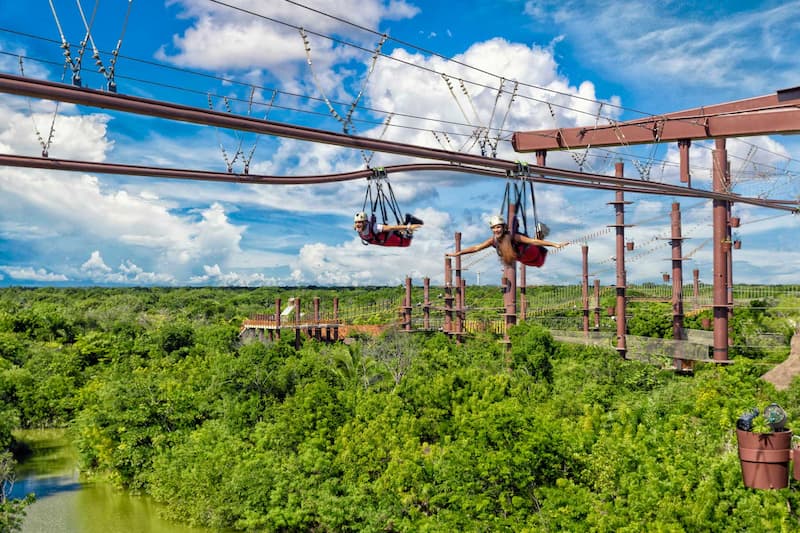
372	232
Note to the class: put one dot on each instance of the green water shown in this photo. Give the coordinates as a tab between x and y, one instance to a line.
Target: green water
65	504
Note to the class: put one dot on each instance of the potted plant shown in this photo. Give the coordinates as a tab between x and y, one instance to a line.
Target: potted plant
764	448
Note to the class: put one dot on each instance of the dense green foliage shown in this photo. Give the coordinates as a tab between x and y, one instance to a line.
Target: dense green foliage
400	433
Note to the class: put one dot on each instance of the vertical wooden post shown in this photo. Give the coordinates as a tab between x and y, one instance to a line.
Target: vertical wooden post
720	263
336	318
426	303
459	315
585	288
729	262
297	323
597	305
316	318
678	332
407	306
462	312
278	318
683	148
448	296
619	206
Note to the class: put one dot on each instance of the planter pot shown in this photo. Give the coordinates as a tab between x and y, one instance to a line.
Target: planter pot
765	458
665	276
737	244
629	245
735	222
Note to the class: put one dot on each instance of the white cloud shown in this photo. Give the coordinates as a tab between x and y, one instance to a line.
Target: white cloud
221	38
33	274
95	263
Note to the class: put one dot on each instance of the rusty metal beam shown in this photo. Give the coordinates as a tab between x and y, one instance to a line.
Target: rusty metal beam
459	162
562	178
765	115
143	106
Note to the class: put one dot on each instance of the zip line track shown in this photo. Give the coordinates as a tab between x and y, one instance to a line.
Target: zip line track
598	182
459	162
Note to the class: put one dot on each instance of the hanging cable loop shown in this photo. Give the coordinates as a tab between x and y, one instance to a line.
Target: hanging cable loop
380	199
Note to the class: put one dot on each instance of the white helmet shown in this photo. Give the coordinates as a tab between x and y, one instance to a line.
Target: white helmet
361	216
542	231
496	220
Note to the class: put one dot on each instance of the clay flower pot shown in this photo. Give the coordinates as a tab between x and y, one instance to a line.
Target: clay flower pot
735	222
765	458
629	245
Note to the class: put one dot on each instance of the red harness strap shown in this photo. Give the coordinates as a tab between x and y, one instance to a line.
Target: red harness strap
386	238
531	254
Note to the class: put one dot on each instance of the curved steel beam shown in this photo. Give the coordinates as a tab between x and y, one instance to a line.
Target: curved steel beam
578	180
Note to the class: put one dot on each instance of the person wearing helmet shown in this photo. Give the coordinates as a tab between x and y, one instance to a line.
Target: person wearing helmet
526	250
371	232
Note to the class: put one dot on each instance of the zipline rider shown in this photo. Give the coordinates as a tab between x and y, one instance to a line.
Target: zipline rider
517	247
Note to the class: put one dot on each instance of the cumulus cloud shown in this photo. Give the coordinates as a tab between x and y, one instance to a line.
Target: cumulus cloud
177	232
95	263
32	274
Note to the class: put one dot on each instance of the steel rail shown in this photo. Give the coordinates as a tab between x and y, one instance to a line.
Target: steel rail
596	182
94	98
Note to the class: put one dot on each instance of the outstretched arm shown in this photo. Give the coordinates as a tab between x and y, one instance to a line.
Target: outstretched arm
538	242
406	227
472	249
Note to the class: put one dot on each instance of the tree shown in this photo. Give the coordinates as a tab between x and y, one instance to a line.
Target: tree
12	511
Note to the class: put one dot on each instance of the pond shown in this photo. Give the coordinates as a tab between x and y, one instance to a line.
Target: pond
66	504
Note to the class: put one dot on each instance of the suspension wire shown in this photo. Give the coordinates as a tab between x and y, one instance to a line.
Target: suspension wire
505	116
475	137
497	96
446	79
307	46
255	143
644	169
74	64
410	45
471	102
477	258
476	132
347	122
228	162
386	123
295	95
69	62
45	144
370	70
563	138
444	146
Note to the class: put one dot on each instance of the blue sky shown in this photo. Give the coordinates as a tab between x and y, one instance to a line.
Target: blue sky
249	57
